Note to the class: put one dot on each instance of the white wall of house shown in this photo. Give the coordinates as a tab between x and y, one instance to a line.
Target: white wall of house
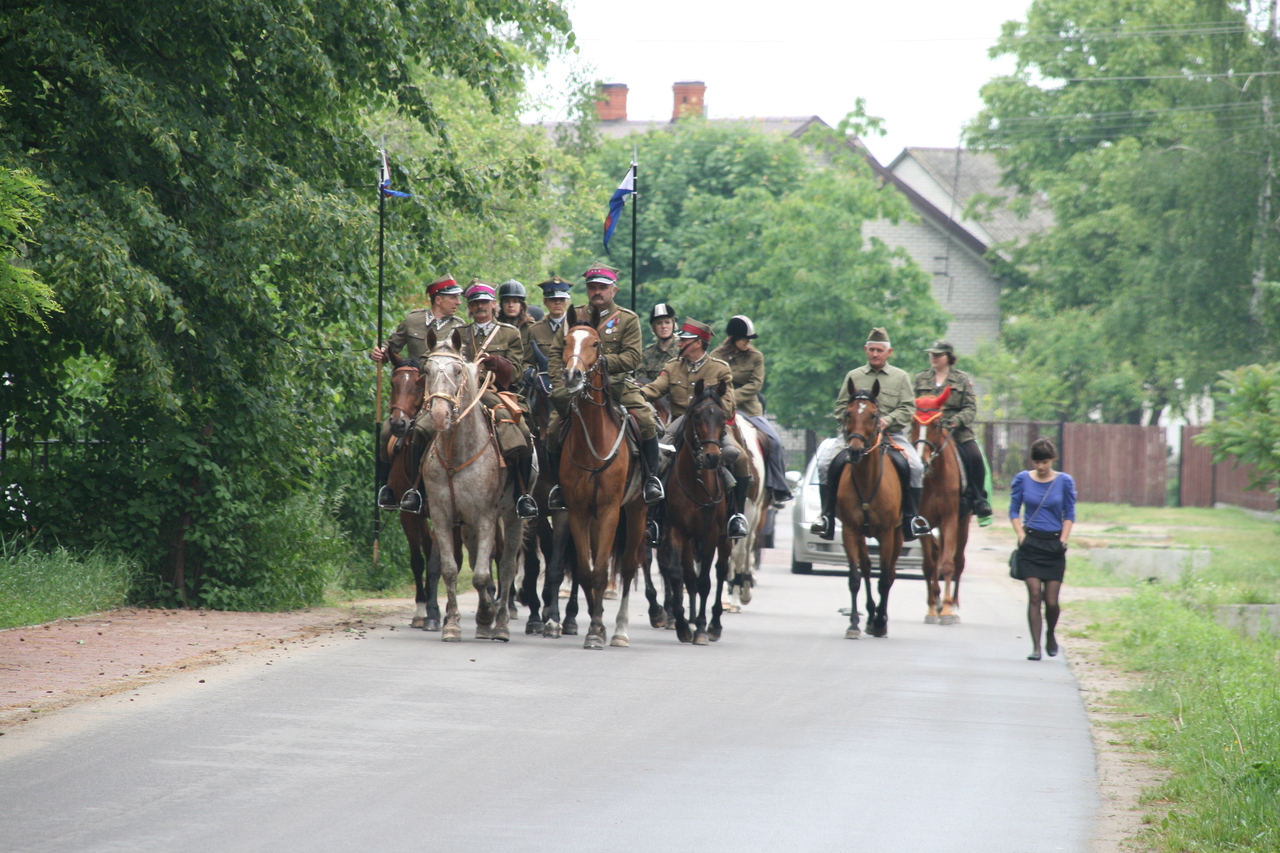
962	281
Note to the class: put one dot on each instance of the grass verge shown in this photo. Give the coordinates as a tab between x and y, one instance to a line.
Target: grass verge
1210	712
40	586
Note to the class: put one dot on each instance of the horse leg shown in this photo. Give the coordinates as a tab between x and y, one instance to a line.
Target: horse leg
557	559
706	554
947	568
677	569
482	578
606	529
930	570
417	564
508	567
855	550
878	626
452	631
630	556
962	539
669	568
722	575
532	569
656	617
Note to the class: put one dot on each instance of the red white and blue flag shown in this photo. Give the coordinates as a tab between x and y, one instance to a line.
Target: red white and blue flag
384	181
619	200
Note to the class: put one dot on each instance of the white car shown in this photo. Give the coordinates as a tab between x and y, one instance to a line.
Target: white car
806	547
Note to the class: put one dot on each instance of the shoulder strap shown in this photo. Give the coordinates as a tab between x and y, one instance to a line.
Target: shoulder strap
1043	499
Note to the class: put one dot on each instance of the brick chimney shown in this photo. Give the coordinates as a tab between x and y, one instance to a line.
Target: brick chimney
612	104
690	99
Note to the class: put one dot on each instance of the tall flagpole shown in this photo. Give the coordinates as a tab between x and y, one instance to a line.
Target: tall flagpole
635	219
377	412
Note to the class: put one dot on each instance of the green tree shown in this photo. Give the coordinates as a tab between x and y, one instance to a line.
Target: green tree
21	290
213	226
1248	426
1142	128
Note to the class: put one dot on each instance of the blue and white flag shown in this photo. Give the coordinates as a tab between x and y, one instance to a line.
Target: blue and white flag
619	200
384	183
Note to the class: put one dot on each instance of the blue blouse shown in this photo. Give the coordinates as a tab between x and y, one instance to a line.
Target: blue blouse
1059	506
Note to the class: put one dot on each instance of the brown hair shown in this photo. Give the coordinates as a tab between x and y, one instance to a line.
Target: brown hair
1042	449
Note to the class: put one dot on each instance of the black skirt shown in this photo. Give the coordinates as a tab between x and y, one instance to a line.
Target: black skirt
1042	555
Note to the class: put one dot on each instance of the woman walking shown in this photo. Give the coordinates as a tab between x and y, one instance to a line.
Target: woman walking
1048	500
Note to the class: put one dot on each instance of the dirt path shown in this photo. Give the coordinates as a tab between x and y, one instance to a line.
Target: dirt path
47	667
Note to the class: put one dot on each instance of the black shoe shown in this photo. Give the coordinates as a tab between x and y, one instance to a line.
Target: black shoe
982	508
1051	646
780	498
555	500
824	528
526	507
653	491
411	502
737	526
387	499
653	531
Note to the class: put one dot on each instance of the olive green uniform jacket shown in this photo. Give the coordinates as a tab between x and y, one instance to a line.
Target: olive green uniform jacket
547	338
748	378
678	377
409	340
502	339
653	358
961	409
620	340
897	400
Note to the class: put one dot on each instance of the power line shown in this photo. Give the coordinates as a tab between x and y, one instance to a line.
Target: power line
1120	114
1190	77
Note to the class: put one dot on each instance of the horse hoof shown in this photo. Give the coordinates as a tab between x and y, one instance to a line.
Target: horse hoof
484	632
878	632
431	624
533	627
852	634
570	629
700	638
452	634
731	608
551	630
610	595
714	634
417	622
745	595
931	619
502	635
658	621
948	620
620	641
593	642
671	624
684	635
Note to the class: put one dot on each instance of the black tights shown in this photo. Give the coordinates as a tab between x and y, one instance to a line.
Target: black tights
1047	592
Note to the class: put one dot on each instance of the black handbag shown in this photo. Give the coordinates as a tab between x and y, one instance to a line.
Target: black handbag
1014	571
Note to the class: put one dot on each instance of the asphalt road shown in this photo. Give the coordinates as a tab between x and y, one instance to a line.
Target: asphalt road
782	736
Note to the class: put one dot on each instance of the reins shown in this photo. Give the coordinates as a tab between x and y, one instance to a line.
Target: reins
449	435
866	502
596	369
712	499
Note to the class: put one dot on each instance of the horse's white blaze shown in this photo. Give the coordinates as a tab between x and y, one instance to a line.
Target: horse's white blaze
862	407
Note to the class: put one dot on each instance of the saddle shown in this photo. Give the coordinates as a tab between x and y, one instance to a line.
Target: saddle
897	455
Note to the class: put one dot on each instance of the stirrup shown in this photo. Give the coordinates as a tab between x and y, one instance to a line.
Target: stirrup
824	528
653	491
920	526
653	531
411	502
387	499
737	526
526	507
555	500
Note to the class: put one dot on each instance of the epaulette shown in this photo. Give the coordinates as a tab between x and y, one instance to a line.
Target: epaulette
506	325
418	311
721	360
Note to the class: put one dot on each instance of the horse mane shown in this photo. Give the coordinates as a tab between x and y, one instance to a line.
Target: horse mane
411	362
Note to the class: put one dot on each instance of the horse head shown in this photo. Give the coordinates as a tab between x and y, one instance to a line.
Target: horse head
861	421
408	386
581	349
450	382
927	429
704	423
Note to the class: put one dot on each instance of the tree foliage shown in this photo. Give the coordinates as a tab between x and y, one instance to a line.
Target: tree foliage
213	230
735	221
1143	127
1249	429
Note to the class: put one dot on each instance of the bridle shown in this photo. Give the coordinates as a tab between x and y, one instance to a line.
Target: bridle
935	450
451	470
452	399
699	458
868	444
597	368
394	408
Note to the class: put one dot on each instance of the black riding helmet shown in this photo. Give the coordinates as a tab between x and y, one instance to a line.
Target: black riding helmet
740	326
662	311
512	288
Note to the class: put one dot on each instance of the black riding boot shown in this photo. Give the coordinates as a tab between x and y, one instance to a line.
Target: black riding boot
386	497
738	521
526	506
653	491
411	501
913	525
825	527
555	500
977	483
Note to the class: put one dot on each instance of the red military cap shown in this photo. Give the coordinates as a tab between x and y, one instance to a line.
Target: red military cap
444	286
600	274
696	329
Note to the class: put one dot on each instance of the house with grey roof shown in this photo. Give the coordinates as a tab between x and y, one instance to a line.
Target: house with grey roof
939	183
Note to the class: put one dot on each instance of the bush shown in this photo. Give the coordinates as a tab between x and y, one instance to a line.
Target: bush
38	586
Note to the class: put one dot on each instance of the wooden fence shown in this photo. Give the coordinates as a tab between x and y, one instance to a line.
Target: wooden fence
1202	483
1117	463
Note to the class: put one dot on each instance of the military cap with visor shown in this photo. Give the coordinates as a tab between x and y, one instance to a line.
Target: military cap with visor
444	286
695	329
481	292
941	348
555	288
601	275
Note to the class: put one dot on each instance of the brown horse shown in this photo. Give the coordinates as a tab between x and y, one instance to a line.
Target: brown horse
941	506
600	480
408	387
868	503
697	515
467	484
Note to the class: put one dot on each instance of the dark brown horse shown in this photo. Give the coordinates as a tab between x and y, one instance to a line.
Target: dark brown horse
697	515
941	506
600	481
868	503
408	387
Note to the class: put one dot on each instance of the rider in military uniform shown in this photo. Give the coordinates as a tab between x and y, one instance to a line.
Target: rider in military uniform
654	357
677	380
747	364
897	406
547	334
960	410
620	340
513	309
409	340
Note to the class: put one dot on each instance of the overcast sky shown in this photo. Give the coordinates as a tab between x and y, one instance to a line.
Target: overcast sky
919	66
